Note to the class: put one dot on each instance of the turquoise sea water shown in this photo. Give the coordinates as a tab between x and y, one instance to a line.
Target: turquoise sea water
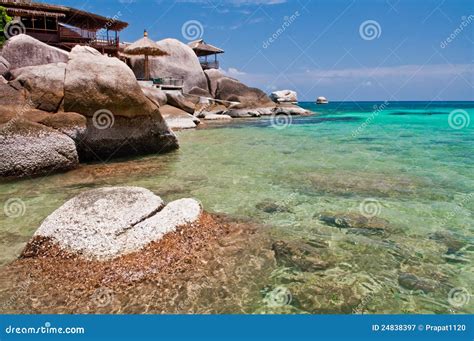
409	163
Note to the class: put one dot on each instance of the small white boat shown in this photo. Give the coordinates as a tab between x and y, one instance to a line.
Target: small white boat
322	100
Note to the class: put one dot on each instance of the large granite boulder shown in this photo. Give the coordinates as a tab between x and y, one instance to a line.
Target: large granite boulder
284	96
178	100
181	62
4	66
121	120
94	82
229	89
69	123
213	77
44	83
28	148
12	94
23	50
109	222
155	94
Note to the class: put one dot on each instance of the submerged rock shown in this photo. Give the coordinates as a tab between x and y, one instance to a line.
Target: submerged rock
28	148
301	256
108	222
269	206
413	282
449	239
353	221
23	50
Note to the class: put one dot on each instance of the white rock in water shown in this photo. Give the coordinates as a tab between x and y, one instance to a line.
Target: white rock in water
217	117
284	96
108	222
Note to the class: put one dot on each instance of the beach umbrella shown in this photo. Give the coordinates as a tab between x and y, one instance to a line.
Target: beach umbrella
146	47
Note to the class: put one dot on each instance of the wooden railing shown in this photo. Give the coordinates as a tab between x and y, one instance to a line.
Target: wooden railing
210	65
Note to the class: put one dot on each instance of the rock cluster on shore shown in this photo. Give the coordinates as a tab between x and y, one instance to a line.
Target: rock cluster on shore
93	107
57	108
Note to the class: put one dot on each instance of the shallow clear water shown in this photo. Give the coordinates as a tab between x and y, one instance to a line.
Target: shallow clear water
410	163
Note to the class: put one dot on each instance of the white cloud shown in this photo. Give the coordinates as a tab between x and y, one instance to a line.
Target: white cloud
232	72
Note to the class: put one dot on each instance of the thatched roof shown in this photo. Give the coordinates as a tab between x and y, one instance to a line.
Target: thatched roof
201	48
66	15
145	46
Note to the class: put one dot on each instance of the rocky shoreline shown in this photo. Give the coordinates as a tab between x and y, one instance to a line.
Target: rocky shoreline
58	108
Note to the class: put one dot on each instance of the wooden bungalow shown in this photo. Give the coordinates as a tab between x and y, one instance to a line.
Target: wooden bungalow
203	51
65	27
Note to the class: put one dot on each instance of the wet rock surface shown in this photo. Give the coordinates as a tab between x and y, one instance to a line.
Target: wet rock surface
202	268
301	256
356	223
413	282
269	206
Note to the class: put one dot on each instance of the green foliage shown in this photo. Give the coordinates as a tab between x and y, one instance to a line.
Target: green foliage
4	20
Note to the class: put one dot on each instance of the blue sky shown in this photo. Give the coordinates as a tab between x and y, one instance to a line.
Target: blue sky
320	48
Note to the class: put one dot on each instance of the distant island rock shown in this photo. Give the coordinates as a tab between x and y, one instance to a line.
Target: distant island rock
282	96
